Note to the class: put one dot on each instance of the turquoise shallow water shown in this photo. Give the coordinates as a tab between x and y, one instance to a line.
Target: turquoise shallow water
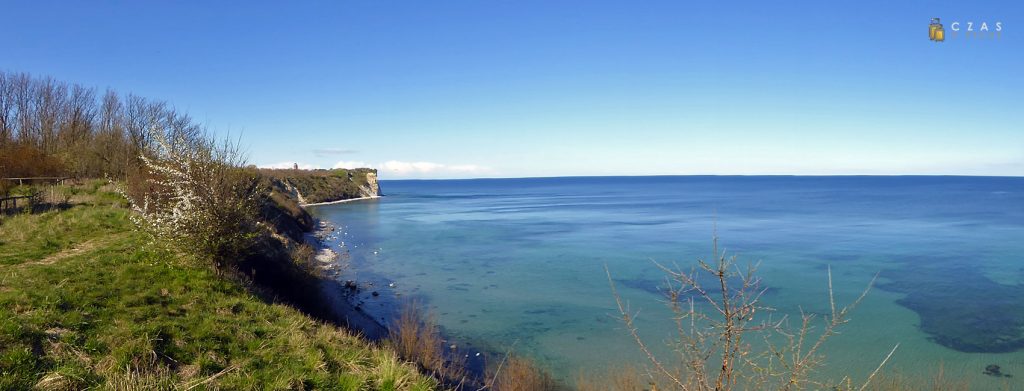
520	262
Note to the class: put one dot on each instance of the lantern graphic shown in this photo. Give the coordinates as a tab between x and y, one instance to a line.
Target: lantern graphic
935	31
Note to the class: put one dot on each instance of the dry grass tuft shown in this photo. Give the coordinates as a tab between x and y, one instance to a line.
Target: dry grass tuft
520	374
416	337
54	381
938	382
625	378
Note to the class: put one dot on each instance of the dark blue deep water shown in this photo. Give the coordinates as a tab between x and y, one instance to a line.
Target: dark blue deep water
520	262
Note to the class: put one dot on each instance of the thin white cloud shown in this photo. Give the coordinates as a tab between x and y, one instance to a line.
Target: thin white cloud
411	167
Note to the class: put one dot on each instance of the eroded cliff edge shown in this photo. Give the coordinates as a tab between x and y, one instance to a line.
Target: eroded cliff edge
281	265
317	186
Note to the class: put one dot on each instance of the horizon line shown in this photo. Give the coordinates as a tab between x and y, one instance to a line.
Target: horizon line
703	175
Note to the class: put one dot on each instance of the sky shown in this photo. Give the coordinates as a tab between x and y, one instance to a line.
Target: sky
463	89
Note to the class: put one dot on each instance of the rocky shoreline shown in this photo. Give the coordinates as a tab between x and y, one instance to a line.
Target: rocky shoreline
340	297
349	297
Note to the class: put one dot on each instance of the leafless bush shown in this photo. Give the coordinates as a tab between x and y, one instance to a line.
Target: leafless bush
711	346
303	255
35	200
28	161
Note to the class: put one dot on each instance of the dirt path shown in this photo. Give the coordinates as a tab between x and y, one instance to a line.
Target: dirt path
76	249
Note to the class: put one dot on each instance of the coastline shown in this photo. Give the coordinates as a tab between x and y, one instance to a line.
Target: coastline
340	201
347	298
341	298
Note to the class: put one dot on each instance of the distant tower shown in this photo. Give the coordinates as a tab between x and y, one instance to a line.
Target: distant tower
295	166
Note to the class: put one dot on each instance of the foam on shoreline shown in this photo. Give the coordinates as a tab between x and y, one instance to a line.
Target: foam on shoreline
340	201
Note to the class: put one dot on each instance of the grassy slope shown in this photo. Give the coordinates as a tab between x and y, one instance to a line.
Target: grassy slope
85	301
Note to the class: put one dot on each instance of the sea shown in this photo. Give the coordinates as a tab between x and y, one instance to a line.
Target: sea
528	265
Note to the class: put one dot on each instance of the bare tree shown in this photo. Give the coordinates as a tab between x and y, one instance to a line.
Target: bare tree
50	100
25	107
137	121
716	306
83	134
6	110
87	134
77	129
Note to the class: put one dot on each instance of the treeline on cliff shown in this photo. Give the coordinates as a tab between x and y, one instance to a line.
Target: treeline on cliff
188	188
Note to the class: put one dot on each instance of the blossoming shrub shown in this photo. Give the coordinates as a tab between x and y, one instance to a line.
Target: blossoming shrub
195	194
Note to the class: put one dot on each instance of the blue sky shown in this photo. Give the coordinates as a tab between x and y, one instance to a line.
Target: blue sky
451	89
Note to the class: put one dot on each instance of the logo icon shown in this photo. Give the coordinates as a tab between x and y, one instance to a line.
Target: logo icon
935	31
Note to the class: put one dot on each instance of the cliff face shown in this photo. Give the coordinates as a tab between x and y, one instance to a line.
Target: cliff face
371	188
314	186
281	262
290	189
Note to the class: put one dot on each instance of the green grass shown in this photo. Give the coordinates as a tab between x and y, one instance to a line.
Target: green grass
25	237
86	302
